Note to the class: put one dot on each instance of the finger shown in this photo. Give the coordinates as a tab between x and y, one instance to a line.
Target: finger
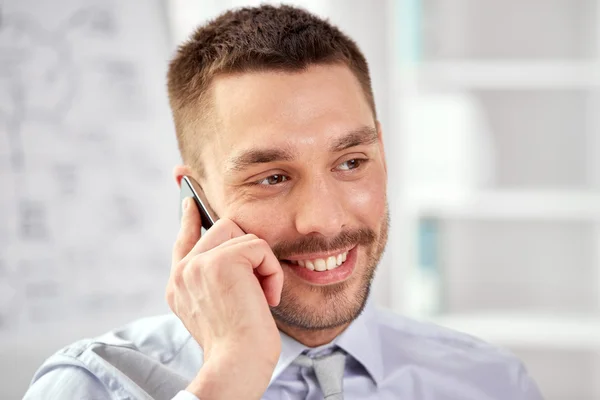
272	287
189	232
272	282
222	231
264	263
246	237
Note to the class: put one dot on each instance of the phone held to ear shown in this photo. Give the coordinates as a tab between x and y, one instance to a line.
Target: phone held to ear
191	188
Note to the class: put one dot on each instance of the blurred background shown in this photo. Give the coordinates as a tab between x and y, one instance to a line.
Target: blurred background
491	115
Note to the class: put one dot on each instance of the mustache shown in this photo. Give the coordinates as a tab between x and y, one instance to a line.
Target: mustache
316	244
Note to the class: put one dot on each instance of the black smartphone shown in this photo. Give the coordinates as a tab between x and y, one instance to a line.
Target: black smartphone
191	188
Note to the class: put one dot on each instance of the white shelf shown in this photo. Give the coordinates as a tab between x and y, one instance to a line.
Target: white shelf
507	204
530	331
502	74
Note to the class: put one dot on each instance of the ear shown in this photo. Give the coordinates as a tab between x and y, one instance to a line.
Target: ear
381	145
180	171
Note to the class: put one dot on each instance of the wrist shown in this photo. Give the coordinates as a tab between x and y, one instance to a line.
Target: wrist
204	386
231	379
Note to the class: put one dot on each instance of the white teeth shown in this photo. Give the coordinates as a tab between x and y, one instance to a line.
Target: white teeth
320	265
331	263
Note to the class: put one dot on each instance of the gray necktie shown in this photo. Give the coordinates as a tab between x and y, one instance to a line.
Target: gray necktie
329	370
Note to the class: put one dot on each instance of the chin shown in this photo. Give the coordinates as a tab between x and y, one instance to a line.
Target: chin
311	307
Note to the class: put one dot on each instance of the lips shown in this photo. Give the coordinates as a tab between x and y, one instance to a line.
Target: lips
320	274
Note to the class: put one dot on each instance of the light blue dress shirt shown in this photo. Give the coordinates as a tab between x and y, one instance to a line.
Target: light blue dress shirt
389	357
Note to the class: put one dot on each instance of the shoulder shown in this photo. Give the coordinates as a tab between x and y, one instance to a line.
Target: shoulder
160	338
108	362
68	382
448	354
392	325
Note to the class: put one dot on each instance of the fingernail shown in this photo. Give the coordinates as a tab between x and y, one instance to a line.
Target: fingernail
185	203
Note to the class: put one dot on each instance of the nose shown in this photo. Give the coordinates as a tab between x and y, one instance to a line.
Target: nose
320	208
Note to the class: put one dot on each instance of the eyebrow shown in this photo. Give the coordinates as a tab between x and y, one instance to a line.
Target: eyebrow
365	135
259	156
362	136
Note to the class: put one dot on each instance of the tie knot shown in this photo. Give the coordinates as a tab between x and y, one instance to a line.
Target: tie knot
329	371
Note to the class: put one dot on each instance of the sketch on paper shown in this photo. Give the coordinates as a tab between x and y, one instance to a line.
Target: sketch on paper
86	148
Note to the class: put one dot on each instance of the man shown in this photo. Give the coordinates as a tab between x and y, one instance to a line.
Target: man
275	119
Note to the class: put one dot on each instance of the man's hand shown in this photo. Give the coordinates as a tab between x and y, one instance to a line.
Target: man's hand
221	286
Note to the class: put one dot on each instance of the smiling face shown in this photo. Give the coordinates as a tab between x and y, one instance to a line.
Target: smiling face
298	160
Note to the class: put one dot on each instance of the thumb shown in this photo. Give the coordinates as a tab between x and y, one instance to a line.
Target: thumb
190	230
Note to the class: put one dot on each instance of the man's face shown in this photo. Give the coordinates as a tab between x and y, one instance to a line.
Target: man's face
298	160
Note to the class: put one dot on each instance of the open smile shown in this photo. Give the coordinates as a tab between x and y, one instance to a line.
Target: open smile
323	269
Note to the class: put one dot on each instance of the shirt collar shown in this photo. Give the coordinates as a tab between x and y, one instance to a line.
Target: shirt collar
360	340
290	350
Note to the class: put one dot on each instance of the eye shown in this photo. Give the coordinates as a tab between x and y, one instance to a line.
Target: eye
351	164
273	180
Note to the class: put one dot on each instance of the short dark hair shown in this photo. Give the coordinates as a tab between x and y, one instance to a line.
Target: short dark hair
251	39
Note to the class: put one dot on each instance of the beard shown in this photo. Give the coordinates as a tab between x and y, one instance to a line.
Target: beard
340	303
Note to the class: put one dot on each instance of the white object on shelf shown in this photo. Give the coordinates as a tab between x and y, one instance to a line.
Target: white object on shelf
448	144
423	295
507	204
528	330
501	74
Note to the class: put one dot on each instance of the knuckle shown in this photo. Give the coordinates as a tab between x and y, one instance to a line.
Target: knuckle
215	265
180	243
177	274
224	223
198	267
190	273
251	236
227	225
259	244
178	281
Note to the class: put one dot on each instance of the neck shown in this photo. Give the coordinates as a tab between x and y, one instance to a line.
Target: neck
311	338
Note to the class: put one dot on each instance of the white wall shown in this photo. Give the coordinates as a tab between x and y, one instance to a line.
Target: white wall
88	208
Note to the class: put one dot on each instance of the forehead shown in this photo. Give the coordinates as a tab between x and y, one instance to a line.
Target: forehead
308	108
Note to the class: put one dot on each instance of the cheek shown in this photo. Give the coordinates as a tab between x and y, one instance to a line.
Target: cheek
367	201
260	218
